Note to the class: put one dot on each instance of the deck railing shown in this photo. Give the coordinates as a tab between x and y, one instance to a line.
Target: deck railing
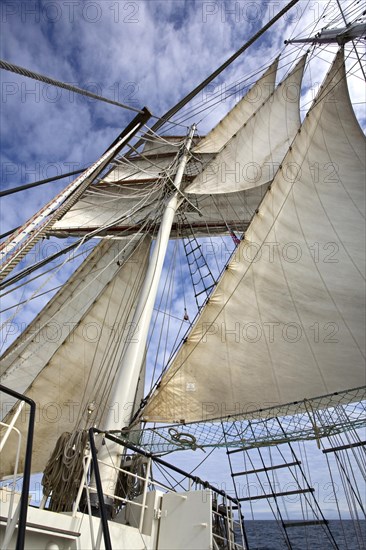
222	508
222	504
19	515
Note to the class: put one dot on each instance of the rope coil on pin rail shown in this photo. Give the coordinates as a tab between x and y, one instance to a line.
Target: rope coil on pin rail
64	469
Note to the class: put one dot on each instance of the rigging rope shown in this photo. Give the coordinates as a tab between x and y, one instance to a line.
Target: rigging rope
34	267
53	82
37	183
165	118
64	470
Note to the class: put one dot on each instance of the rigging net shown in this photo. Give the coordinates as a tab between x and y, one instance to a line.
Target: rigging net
324	416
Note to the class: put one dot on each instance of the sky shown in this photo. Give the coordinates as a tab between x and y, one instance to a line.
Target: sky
140	53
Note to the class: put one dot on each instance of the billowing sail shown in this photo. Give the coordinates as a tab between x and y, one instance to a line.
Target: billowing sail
254	152
67	359
243	110
286	321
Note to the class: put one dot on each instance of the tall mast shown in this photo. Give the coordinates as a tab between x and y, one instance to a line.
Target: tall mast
123	393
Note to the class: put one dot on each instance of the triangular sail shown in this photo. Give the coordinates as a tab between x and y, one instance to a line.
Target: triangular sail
286	321
252	155
243	110
69	364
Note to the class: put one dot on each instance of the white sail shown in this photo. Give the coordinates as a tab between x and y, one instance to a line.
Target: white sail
105	206
71	360
254	152
116	210
243	110
128	195
126	198
157	155
287	319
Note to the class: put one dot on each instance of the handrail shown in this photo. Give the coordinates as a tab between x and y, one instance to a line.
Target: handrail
12	516
228	501
98	482
162	462
10	426
27	465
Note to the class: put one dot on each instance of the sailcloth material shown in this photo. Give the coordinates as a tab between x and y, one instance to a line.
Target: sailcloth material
68	365
243	110
252	155
287	319
128	194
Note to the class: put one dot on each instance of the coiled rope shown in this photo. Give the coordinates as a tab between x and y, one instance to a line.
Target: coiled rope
63	473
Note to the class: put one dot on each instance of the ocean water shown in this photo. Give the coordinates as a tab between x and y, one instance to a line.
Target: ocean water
266	535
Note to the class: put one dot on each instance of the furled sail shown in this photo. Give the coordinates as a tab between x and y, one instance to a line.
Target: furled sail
252	155
68	357
286	321
243	110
